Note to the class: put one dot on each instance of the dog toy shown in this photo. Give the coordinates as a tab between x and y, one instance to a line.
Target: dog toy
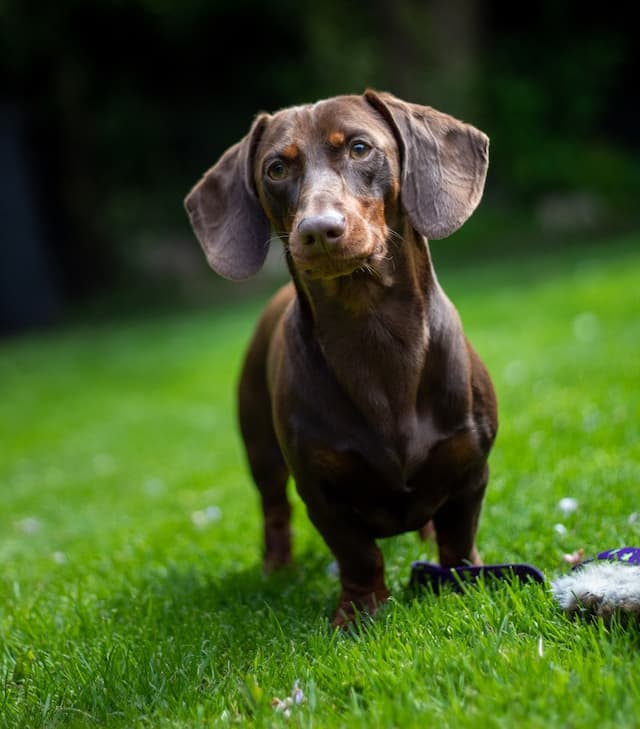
426	573
602	587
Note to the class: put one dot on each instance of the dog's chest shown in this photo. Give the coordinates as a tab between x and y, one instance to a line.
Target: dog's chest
415	437
340	439
392	485
358	407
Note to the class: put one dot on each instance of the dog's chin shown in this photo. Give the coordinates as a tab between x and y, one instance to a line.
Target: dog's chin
329	267
330	271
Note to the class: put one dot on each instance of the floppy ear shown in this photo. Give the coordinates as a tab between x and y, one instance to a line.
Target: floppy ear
444	164
225	212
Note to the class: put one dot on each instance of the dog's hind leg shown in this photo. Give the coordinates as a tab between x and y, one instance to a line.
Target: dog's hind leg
266	462
268	468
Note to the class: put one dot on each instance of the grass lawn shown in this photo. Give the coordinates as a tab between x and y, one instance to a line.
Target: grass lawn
130	588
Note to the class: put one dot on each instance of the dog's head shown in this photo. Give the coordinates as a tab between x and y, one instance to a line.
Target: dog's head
331	178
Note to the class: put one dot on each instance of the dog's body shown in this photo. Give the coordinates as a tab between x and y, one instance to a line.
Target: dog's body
359	381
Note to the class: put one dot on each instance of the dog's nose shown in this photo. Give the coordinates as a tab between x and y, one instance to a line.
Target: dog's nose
324	230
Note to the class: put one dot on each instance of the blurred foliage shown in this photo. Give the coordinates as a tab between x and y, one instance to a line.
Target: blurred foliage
126	102
555	99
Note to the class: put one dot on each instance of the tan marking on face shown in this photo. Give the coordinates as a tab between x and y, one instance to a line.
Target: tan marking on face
336	139
372	210
290	152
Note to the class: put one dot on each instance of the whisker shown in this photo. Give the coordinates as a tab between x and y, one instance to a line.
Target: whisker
395	235
368	268
389	257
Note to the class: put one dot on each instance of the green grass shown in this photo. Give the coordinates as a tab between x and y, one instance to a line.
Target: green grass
130	588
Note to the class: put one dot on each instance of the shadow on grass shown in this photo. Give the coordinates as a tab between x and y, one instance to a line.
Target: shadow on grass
170	637
233	604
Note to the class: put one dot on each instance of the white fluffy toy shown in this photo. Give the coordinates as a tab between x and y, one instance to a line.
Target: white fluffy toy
606	586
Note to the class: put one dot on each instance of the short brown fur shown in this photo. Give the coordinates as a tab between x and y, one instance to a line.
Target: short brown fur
359	380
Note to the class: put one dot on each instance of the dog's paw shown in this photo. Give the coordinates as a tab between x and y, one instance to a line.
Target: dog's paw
276	560
353	608
277	552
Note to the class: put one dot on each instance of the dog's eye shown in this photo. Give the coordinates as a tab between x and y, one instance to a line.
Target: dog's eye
359	150
277	170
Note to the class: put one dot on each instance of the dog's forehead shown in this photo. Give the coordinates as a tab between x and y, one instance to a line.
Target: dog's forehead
333	120
347	113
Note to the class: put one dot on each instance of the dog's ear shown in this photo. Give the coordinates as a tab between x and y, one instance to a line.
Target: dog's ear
444	164
226	214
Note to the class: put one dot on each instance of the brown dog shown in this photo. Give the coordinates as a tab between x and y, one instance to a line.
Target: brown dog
359	381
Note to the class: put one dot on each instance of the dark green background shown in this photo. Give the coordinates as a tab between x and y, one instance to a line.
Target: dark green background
116	107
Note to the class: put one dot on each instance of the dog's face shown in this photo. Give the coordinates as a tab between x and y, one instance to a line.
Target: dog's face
331	179
327	176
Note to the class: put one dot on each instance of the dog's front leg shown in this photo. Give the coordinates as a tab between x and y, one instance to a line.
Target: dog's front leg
456	522
360	560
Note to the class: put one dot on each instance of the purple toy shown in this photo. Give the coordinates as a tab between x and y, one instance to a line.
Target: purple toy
605	586
426	573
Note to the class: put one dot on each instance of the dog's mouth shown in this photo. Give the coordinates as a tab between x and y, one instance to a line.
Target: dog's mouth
335	269
333	265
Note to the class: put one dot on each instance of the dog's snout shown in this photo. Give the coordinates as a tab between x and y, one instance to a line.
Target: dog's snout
322	230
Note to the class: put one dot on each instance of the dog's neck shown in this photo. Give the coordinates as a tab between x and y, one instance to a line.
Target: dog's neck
390	313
